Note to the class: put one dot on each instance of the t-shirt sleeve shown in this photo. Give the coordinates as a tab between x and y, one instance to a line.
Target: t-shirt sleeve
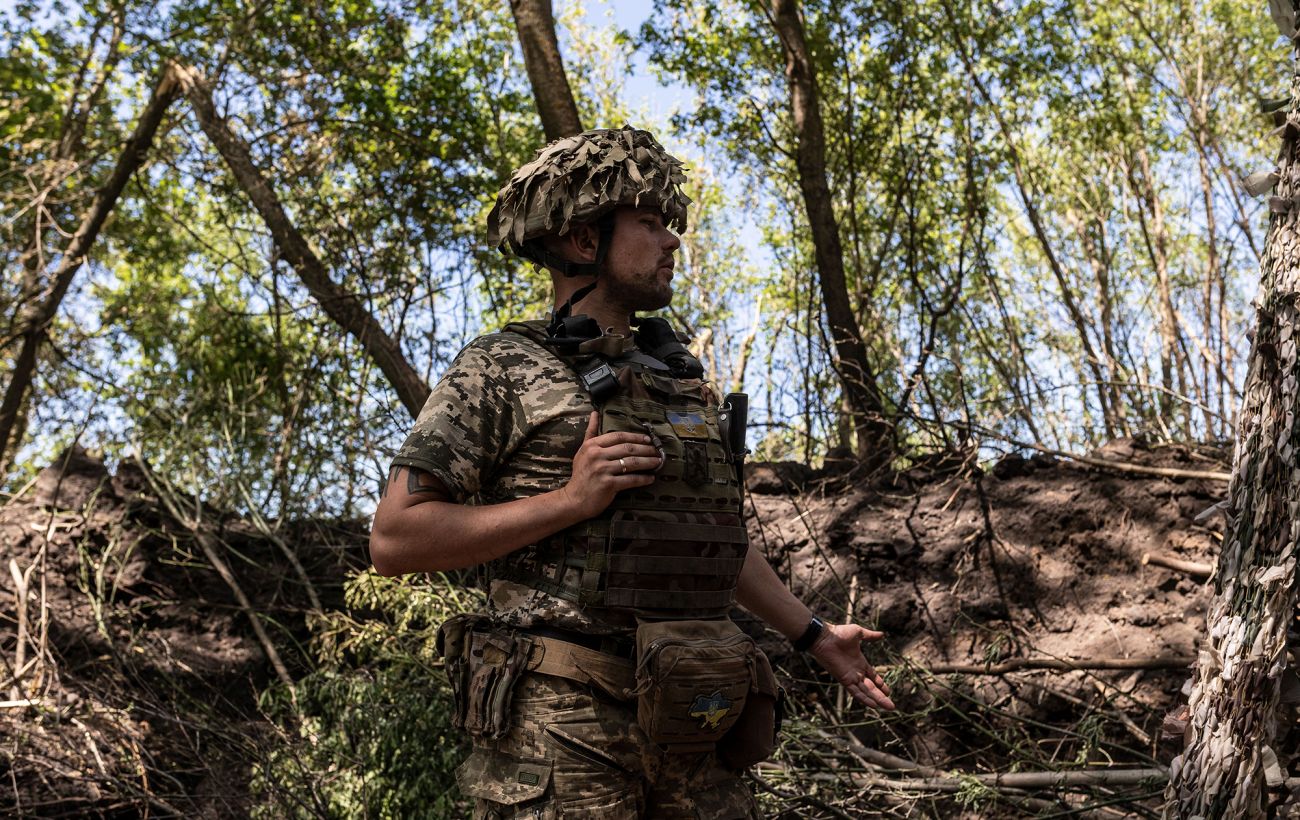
463	429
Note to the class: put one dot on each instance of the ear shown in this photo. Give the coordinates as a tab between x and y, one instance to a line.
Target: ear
581	241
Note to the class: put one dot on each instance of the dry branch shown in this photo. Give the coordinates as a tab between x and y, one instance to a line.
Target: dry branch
20	650
263	527
1105	464
1067	664
1005	783
206	542
1194	568
1138	469
1019	780
876	757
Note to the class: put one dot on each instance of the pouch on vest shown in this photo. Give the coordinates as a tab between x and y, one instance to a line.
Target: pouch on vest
453	644
494	659
693	681
754	737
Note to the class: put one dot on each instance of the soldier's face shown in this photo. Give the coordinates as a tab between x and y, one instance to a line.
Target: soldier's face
640	264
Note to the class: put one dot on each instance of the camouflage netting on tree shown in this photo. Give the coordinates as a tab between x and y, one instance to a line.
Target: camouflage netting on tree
1231	751
581	177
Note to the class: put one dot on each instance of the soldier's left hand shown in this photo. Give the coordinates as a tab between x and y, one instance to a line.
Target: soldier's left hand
839	651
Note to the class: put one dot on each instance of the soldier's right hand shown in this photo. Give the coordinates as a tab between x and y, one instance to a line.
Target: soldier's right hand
606	464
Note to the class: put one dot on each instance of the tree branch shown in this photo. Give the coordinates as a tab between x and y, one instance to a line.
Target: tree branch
339	304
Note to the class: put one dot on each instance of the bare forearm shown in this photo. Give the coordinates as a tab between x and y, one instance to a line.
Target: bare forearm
763	593
418	528
443	535
839	647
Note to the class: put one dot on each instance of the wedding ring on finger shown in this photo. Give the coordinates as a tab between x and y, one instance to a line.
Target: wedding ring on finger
623	464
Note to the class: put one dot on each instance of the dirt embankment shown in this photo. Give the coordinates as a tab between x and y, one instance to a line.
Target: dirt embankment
977	578
146	699
132	690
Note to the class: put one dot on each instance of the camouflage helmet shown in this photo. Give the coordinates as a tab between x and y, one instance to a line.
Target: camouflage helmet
581	178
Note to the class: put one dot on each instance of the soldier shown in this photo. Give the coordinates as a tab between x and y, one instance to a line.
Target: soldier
584	462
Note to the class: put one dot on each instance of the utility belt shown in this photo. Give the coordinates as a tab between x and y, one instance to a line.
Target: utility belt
618	646
699	686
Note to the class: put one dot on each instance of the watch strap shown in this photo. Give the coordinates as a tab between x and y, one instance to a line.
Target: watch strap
810	635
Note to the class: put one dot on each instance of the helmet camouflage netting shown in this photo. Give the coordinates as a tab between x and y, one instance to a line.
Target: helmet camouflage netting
579	178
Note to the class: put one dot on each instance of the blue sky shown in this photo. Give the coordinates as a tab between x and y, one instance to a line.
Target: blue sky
643	88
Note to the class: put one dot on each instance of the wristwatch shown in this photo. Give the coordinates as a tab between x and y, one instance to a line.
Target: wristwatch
810	635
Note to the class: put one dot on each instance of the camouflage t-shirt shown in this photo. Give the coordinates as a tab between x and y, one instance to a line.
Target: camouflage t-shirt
503	423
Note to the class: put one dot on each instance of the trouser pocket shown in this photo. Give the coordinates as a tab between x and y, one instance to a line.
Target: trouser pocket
504	786
693	680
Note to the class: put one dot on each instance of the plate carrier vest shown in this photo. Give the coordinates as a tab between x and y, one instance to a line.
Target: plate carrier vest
674	549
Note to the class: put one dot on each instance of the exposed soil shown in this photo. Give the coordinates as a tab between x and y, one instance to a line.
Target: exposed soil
145	697
148	700
1040	558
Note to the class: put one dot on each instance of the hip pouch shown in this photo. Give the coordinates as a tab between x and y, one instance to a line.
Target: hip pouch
693	681
453	645
483	664
754	737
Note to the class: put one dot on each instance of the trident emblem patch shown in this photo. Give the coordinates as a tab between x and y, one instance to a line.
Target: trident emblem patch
711	708
688	425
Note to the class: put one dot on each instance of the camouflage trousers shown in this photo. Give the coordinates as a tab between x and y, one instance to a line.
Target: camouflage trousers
571	754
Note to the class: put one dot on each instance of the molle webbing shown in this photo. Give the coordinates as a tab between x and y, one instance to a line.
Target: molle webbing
671	550
643	581
650	530
670	599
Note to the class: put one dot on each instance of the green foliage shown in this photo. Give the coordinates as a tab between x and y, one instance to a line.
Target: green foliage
367	733
386	128
973	794
949	131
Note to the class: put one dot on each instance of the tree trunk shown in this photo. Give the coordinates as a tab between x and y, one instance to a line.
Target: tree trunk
872	425
1095	251
1156	239
340	305
555	105
1229	757
1024	185
34	326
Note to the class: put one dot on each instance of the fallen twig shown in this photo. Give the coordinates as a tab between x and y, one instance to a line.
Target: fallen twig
999	781
884	760
1075	777
1140	469
20	651
1106	464
206	543
1194	568
1013	780
1067	664
20	492
802	797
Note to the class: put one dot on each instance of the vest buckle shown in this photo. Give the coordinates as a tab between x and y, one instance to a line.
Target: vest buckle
600	382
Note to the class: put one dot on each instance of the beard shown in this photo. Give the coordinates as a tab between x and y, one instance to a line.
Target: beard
641	293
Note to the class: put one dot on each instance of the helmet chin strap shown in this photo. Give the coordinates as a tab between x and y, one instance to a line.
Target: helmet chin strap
567	267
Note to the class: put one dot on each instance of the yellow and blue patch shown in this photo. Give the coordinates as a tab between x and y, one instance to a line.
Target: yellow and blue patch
711	709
